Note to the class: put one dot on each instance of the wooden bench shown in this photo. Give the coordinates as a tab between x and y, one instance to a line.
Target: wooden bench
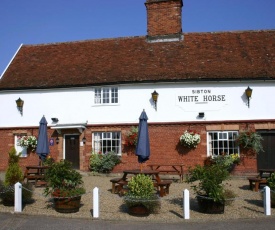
115	184
122	187
255	182
163	187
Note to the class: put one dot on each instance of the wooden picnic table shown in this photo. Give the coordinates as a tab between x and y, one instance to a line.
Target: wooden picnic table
36	173
162	185
265	173
174	168
261	179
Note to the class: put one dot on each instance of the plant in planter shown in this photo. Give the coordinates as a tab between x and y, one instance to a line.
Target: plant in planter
140	198
65	185
209	189
104	163
228	161
13	175
251	141
190	139
271	184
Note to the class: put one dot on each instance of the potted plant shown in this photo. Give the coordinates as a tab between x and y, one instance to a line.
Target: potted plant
209	189
65	185
140	198
13	175
103	162
228	161
250	140
190	139
271	184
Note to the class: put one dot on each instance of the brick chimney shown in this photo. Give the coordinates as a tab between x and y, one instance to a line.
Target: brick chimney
164	20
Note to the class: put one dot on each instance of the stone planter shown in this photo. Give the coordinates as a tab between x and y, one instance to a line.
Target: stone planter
67	205
208	205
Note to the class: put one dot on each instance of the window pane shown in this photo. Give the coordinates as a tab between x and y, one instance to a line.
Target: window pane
97	96
18	148
222	142
110	141
105	95
114	95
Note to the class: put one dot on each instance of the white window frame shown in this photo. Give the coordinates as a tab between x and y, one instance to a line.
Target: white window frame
17	147
224	144
100	139
101	94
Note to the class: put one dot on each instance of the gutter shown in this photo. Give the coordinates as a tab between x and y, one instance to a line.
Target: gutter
10	61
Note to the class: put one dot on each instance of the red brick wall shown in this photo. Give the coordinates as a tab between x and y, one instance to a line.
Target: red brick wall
163	17
164	146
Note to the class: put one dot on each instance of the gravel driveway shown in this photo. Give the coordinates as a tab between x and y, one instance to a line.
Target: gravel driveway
248	204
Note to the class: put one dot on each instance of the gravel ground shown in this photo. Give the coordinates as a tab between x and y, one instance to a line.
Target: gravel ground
248	204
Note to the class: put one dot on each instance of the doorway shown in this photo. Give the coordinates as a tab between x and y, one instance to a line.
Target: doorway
72	150
266	159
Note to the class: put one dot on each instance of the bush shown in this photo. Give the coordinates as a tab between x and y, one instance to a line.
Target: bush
141	192
63	180
13	175
104	163
210	179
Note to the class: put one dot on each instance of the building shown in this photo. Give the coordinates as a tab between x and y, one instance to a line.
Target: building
95	90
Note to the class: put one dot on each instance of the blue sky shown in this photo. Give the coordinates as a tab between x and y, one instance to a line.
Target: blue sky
48	21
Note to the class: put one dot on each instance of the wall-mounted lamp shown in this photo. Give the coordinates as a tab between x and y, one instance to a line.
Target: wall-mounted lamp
19	104
57	140
155	98
54	119
201	114
248	93
84	140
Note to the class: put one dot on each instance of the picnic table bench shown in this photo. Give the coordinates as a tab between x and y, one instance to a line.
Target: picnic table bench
162	186
175	168
261	179
36	173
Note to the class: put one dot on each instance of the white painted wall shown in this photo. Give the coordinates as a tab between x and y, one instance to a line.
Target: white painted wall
76	105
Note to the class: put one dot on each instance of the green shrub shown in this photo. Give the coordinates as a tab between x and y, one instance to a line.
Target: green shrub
63	180
13	175
141	192
210	178
271	182
104	163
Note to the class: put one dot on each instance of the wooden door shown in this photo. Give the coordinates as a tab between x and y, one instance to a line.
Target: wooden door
72	150
266	159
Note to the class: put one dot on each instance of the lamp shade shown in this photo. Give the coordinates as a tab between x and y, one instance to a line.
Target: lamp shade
19	102
248	92
155	96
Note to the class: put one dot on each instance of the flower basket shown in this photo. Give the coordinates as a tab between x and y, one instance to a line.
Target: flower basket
28	142
132	137
190	139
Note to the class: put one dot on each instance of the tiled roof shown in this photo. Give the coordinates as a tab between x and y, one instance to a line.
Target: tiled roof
199	56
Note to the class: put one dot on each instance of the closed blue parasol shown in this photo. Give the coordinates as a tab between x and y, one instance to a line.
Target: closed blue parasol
143	145
42	148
